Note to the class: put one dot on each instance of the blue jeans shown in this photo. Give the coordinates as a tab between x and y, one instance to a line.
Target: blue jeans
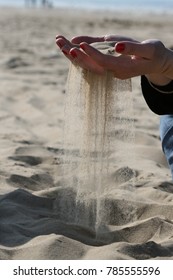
166	135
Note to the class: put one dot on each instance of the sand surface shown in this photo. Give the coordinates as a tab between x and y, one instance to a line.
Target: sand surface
36	205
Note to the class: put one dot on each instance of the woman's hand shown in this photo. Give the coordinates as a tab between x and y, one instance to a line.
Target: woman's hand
74	51
149	57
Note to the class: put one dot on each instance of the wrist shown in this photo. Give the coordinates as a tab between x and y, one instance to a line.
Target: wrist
158	79
164	89
166	74
168	67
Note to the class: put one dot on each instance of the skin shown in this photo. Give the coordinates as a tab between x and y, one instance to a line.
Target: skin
149	57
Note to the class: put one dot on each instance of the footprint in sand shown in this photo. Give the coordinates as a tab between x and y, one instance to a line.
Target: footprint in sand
35	182
30	160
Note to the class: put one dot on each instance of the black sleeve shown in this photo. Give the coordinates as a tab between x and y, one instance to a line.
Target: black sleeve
158	98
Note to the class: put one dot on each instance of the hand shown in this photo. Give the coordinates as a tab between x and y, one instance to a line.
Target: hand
152	59
74	52
149	57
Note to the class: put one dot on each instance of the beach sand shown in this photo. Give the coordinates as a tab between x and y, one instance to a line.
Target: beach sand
33	75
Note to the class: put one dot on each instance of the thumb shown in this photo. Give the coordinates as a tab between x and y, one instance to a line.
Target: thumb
143	49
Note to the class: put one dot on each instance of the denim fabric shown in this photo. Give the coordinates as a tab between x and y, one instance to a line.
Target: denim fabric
166	135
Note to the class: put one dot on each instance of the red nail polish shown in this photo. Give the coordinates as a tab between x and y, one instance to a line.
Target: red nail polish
64	52
59	44
120	47
82	46
73	53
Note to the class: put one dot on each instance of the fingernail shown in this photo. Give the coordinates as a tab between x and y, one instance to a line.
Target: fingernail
64	52
82	46
59	44
120	47
73	53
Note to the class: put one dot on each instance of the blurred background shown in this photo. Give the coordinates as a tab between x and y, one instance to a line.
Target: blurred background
148	5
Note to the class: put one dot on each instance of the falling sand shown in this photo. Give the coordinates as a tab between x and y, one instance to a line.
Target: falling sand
96	113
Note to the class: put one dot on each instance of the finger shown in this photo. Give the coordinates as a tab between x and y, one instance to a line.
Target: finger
87	39
83	60
62	41
117	38
61	37
144	50
65	48
65	44
100	58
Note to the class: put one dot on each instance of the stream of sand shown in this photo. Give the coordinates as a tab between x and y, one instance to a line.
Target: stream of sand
96	113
